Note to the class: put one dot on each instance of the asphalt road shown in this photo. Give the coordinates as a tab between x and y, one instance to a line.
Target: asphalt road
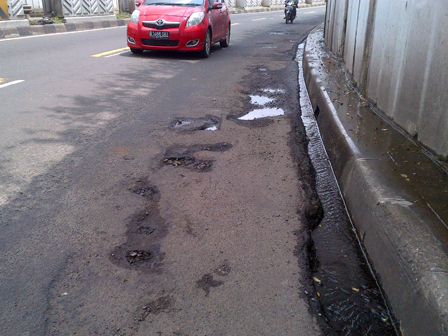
121	215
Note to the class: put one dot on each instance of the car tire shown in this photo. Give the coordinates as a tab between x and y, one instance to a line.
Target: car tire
136	51
205	52
225	43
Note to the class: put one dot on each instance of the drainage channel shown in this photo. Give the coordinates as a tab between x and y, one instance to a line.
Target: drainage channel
350	298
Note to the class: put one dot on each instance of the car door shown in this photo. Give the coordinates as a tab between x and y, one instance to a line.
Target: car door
215	20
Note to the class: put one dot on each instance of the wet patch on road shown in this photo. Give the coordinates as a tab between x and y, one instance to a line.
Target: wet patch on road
144	232
207	282
209	123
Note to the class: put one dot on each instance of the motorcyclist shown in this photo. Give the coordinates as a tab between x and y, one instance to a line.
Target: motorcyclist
295	4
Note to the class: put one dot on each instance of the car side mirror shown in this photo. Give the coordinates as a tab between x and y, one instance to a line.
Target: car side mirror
217	5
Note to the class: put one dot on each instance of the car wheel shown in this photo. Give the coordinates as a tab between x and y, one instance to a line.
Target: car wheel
136	51
207	44
225	43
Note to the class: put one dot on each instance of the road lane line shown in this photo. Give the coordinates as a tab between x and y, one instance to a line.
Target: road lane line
116	54
2	80
258	19
234	24
11	83
110	52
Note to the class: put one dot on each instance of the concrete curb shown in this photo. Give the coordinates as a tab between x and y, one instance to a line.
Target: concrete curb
19	28
399	235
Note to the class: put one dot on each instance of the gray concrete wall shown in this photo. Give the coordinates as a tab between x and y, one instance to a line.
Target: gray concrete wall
396	52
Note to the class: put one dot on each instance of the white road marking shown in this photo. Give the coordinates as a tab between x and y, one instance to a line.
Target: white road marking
11	83
117	54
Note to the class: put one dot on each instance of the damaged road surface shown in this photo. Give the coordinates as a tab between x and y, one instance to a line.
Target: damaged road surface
159	194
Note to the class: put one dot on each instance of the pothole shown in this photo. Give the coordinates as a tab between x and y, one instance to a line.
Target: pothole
189	162
262	113
179	161
144	188
209	123
144	233
137	257
203	165
260	100
161	305
273	91
183	156
265	105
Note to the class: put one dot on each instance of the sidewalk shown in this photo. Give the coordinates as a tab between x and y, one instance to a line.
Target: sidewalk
19	28
396	193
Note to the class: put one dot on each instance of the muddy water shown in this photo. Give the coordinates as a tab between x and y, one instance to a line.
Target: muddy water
350	299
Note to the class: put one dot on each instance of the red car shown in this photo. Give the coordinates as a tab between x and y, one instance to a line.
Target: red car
183	25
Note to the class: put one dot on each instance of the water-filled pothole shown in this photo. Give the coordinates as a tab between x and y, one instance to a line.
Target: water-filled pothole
209	123
265	106
263	113
260	100
273	91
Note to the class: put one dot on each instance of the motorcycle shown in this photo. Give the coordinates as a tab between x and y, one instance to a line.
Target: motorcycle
290	13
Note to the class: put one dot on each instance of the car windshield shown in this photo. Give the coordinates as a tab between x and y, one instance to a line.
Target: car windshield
189	3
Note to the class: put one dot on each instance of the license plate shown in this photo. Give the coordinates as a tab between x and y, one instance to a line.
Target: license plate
160	35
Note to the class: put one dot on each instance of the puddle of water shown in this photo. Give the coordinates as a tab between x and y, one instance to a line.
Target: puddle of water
349	294
263	113
260	100
181	123
277	91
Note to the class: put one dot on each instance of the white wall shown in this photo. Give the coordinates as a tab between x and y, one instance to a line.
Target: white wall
399	59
